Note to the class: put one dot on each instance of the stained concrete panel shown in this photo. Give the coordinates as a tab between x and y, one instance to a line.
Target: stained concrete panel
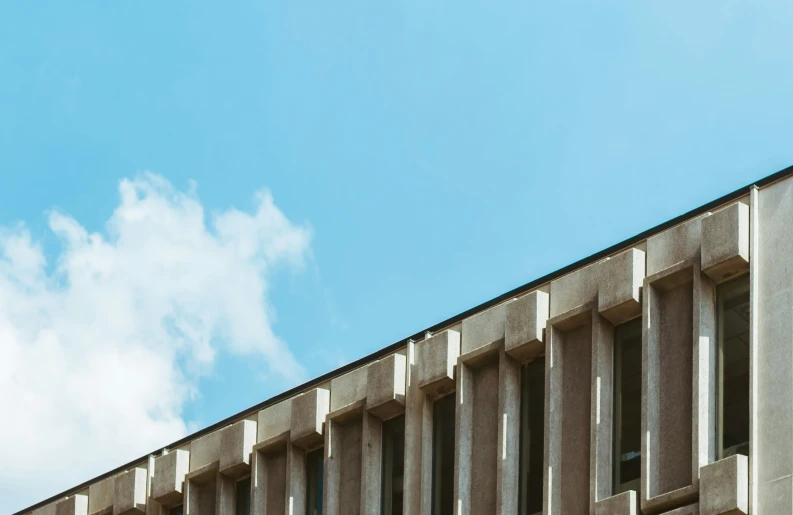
348	388
74	505
621	280
236	442
386	383
575	289
274	420
101	496
131	492
725	242
673	246
725	487
308	417
204	450
625	503
525	326
483	328
168	480
343	469
436	357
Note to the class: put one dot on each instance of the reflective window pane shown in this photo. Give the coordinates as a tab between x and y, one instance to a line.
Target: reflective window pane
532	429
393	465
315	465
627	431
243	497
733	358
443	456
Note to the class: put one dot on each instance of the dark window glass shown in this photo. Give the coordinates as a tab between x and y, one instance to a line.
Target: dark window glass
443	424
393	465
243	497
176	510
627	406
532	429
315	464
733	361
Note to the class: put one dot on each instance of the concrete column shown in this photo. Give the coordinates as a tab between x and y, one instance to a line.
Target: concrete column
772	423
269	476
569	365
431	373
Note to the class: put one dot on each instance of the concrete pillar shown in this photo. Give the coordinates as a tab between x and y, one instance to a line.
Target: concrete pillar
772	422
431	365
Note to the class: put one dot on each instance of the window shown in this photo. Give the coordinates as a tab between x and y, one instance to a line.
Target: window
315	465
443	429
393	465
532	428
243	497
733	367
176	510
627	430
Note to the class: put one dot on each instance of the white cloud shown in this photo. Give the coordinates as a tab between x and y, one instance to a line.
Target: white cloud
101	348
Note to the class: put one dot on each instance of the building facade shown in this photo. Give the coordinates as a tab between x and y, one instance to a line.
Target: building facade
655	377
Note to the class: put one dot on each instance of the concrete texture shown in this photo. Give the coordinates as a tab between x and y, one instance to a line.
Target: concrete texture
725	242
386	383
692	509
308	417
101	496
131	492
269	481
167	483
725	487
204	450
483	328
436	358
575	289
525	326
348	388
568	406
625	503
620	282
674	246
74	505
274	420
236	442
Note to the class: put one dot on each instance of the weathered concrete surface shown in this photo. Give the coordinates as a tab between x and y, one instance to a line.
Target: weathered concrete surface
773	409
101	496
74	505
274	420
308	417
170	469
620	282
435	360
386	386
131	492
725	242
525	326
725	487
484	328
236	442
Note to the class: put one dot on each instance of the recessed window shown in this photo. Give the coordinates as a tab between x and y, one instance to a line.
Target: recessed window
315	465
627	430
242	506
176	510
443	429
393	465
733	367
532	428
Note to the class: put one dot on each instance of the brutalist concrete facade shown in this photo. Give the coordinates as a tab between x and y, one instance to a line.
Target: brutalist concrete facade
668	278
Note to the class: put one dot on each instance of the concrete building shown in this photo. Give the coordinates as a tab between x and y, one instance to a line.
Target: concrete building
655	377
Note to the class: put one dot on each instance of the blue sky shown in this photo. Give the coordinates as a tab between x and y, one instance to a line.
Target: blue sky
439	154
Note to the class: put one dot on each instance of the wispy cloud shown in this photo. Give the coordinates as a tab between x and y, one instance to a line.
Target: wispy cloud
100	353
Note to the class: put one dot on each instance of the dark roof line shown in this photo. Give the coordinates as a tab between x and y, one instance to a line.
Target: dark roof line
435	328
